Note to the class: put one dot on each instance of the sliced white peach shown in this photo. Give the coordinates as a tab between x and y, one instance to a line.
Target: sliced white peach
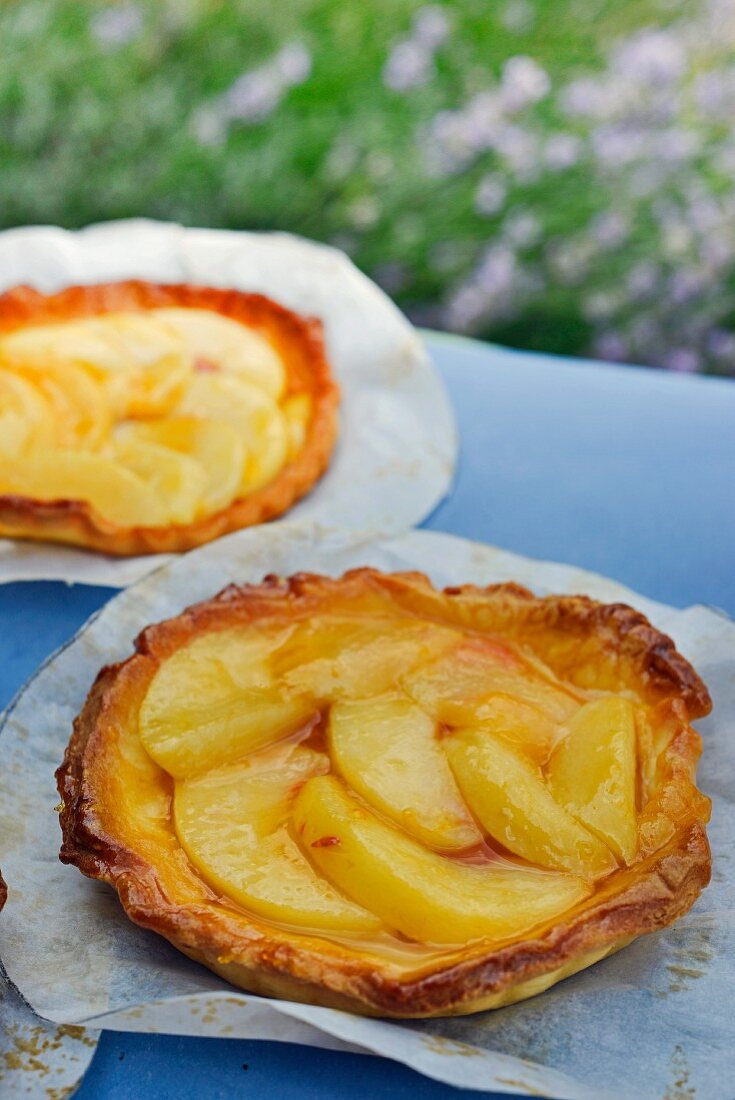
426	896
228	345
87	341
231	822
155	365
593	772
141	364
81	411
180	481
509	797
26	417
346	658
215	445
257	419
297	411
457	686
214	700
387	749
116	493
270	451
141	337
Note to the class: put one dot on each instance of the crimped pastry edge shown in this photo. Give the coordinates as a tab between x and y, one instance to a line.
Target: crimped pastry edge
250	954
76	522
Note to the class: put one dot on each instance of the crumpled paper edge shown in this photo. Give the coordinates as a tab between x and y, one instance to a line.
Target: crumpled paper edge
39	1060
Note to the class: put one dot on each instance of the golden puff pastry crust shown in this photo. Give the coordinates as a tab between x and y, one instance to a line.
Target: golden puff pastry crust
306	391
374	795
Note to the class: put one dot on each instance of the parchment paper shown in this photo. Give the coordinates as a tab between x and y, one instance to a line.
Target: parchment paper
397	447
39	1060
654	1022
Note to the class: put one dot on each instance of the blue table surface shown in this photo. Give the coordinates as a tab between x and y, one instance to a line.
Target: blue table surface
624	471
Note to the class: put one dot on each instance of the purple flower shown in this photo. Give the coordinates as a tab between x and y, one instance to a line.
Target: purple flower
610	229
521	229
519	16
523	83
293	63
721	344
253	96
642	280
490	195
409	65
655	57
684	360
562	151
611	346
431	26
116	25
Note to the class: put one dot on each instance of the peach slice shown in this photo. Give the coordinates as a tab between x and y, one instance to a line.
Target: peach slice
508	795
425	896
457	686
257	419
214	700
229	345
214	444
593	772
116	493
231	823
178	480
26	419
347	658
387	750
81	410
297	411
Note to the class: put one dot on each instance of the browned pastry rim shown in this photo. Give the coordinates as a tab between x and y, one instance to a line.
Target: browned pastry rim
581	640
299	341
3	891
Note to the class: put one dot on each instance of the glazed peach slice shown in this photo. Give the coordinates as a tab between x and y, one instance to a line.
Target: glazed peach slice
72	341
156	363
297	411
231	822
214	700
425	896
509	797
81	412
387	749
26	418
256	418
235	348
462	687
593	772
178	480
116	493
358	657
139	362
215	446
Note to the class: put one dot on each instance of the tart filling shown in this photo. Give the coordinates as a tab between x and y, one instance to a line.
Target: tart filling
130	410
368	793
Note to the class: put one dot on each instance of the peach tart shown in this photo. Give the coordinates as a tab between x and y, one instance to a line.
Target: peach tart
137	418
370	794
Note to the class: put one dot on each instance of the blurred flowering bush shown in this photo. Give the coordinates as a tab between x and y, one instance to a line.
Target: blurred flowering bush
553	174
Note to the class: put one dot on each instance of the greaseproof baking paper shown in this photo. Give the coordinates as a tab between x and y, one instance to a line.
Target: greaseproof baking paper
397	446
653	1022
39	1060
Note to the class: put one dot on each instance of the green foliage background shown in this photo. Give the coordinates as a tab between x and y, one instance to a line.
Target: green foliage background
95	126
